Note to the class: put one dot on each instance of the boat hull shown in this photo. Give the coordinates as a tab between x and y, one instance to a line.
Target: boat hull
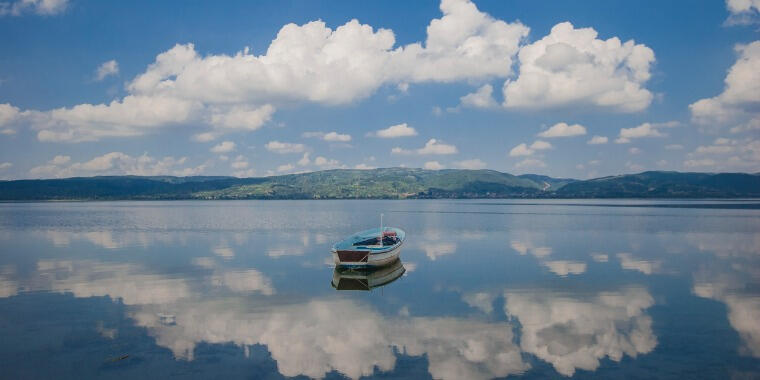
367	279
366	259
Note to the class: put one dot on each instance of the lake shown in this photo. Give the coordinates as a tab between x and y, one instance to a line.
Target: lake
488	288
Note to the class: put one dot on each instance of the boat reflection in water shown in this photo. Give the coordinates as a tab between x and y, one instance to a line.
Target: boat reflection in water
366	279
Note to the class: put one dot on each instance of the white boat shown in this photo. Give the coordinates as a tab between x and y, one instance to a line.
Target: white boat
350	279
371	248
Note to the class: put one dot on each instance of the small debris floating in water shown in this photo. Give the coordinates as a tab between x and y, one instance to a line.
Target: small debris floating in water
120	358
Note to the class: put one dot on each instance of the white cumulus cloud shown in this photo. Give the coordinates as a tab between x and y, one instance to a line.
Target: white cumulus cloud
241	117
394	131
433	165
40	7
726	154
204	137
305	160
285	168
107	68
524	150
743	12
60	160
642	130
740	6
326	163
336	137
116	163
520	150
563	130
573	67
223	147
329	136
239	163
540	145
739	103
130	116
597	140
8	115
304	63
464	44
284	147
432	146
482	98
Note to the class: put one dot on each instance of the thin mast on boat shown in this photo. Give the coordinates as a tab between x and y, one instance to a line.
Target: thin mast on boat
381	229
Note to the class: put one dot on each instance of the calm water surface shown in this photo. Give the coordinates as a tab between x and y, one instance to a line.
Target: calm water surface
534	289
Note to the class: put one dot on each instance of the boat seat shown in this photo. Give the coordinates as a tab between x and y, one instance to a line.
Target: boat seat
372	241
387	240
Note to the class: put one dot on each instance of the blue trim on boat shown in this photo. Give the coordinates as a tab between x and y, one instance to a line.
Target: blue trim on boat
348	243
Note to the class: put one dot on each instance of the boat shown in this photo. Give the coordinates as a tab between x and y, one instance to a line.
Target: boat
371	248
351	279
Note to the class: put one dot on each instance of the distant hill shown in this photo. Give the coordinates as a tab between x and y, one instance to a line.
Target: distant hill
665	185
387	183
115	187
383	183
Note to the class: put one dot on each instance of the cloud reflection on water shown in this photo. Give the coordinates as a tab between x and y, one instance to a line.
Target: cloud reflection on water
573	331
222	301
126	282
743	311
8	287
561	268
733	279
631	262
322	335
112	239
316	336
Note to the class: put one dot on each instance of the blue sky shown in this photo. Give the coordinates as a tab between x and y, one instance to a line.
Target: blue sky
568	89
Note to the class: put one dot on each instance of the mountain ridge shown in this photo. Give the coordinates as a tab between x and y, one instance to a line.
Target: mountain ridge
386	183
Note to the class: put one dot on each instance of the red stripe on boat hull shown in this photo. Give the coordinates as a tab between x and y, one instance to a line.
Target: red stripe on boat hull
353	256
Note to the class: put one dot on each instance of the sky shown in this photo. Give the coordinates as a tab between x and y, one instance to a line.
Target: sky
567	89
